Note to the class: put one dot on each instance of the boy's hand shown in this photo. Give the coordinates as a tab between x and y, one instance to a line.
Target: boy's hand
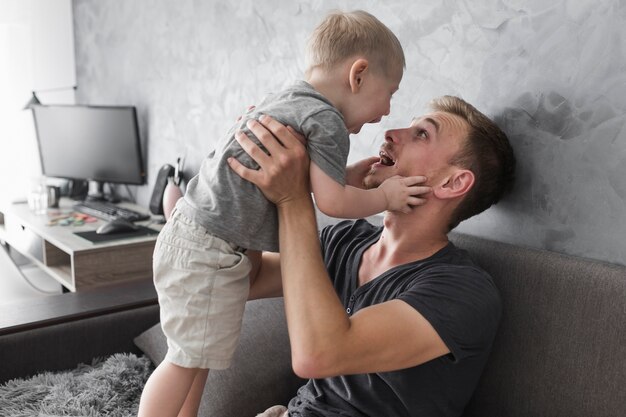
355	173
402	192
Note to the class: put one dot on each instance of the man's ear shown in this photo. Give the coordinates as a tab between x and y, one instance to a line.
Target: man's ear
358	71
455	185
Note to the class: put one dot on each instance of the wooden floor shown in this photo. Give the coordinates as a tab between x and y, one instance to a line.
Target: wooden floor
31	283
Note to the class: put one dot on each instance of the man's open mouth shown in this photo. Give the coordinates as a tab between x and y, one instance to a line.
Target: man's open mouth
385	159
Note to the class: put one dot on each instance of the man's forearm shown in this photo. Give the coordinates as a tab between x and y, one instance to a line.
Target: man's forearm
314	312
267	282
315	316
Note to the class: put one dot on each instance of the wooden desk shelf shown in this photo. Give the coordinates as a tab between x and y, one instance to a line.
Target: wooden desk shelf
73	261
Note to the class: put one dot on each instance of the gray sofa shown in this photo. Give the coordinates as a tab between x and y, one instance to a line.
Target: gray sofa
560	349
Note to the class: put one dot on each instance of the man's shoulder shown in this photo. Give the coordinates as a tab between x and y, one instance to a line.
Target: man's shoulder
459	261
347	234
349	228
454	270
459	299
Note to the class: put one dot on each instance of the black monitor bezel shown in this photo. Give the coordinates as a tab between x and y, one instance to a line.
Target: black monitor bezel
138	147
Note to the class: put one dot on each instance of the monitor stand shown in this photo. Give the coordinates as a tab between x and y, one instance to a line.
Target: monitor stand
96	193
78	189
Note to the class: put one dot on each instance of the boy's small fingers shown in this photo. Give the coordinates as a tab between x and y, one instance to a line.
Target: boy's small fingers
417	179
416	201
418	190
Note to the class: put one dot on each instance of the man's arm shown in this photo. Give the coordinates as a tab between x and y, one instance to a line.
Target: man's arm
267	281
325	341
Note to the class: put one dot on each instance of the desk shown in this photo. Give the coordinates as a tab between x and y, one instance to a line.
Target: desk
73	261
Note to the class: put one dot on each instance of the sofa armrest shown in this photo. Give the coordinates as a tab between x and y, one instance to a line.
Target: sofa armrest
65	345
60	331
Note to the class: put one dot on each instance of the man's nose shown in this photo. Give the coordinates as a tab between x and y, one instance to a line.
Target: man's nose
392	136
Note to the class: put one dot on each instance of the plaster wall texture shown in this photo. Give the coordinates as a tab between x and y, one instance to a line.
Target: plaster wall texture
553	74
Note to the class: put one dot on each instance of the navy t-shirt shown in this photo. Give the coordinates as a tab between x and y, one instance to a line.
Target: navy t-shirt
458	299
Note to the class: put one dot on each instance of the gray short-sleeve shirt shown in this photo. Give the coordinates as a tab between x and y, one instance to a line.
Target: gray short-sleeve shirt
235	209
459	300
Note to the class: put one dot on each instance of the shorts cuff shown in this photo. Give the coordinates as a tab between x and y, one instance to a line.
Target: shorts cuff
200	363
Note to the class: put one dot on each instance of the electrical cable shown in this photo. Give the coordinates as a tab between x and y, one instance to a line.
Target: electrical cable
24	277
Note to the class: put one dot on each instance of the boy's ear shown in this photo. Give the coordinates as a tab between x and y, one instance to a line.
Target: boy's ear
455	185
358	70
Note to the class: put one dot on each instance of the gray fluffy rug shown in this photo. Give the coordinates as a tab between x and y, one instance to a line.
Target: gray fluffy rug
110	388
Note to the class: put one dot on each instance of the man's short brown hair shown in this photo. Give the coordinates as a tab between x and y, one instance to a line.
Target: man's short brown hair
487	153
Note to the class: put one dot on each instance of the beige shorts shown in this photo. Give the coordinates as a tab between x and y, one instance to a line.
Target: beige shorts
202	283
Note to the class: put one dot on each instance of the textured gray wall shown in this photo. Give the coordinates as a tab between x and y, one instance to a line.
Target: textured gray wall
552	73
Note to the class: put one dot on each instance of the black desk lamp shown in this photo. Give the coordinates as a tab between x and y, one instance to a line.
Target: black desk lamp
34	100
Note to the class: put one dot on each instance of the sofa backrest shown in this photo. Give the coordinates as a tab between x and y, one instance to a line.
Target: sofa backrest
561	346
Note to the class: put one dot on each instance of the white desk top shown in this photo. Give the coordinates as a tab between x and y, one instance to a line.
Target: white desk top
63	236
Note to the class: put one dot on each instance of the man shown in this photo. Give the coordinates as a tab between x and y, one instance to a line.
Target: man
391	321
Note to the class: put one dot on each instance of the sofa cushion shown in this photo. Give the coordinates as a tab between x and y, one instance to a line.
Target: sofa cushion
260	375
558	352
561	343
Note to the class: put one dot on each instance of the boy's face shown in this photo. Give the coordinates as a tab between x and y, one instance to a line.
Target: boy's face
373	101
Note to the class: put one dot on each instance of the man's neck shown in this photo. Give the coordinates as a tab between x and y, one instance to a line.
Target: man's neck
404	239
410	238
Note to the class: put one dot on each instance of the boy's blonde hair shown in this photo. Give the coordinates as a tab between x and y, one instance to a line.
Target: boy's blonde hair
346	34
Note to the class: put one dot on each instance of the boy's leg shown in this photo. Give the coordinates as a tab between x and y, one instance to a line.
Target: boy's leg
166	390
192	403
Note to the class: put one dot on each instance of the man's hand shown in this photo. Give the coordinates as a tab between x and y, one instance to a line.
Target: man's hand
283	174
402	192
248	110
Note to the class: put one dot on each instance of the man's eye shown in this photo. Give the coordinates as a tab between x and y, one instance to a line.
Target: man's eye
422	133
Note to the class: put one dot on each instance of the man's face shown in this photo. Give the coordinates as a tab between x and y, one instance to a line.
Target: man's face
424	148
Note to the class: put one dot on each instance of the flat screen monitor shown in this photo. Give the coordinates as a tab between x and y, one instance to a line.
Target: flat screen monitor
96	143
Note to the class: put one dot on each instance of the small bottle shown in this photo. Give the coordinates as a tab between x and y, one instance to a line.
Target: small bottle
38	196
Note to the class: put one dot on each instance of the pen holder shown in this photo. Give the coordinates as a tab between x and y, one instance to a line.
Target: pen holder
53	193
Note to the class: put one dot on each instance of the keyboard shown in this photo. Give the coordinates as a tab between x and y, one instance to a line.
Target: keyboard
109	211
